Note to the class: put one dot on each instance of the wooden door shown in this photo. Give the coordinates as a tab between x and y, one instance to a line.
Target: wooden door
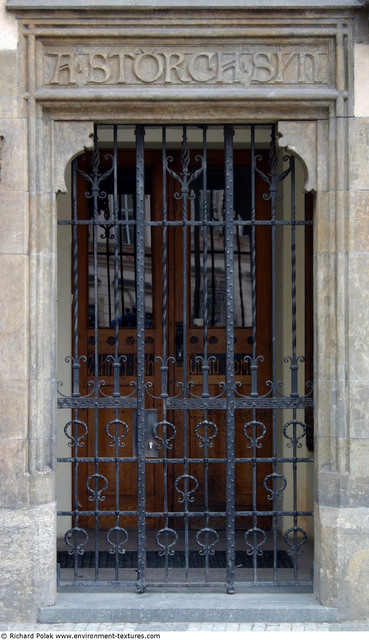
112	432
200	433
200	425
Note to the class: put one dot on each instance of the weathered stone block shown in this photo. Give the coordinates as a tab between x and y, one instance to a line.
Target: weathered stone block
360	231
13	410
14	222
42	485
324	394
358	305
9	105
14	317
323	170
358	393
359	456
361	52
323	223
27	562
358	149
13	474
343	539
322	446
14	176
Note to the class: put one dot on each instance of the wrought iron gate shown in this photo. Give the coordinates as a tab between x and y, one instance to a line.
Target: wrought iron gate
185	420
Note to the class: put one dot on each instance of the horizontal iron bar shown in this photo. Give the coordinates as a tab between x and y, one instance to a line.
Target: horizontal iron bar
182	460
82	584
182	514
192	403
99	403
220	223
243	585
186	223
242	403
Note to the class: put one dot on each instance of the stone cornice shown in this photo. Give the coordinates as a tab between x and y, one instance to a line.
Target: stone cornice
106	5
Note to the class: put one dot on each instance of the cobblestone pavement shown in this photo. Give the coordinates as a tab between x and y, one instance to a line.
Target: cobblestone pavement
184	627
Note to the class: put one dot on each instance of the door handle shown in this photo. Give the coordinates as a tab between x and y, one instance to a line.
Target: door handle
179	344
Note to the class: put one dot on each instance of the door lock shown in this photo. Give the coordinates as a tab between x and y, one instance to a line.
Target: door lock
151	419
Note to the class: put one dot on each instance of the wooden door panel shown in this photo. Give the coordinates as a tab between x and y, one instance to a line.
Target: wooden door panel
211	489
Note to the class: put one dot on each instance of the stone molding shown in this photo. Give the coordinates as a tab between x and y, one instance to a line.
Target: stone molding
180	60
300	139
173	4
69	140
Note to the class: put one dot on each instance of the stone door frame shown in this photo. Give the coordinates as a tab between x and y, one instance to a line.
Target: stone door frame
312	113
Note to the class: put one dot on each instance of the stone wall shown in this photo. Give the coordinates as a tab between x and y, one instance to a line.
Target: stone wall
320	99
27	547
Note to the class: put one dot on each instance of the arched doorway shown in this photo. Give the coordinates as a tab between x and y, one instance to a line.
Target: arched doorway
187	419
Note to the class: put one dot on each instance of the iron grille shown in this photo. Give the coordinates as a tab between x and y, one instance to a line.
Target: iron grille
185	421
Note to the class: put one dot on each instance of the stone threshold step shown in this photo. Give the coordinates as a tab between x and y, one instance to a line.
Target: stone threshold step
186	607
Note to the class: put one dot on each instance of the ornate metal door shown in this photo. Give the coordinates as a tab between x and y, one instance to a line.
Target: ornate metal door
174	428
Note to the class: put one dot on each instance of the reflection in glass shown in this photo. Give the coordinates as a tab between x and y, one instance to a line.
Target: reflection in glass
215	258
108	235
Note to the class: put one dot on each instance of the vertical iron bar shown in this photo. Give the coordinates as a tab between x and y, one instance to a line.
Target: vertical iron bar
121	254
164	364
107	232
185	171
164	379
96	161
294	363
116	364
140	297
212	264
197	250
294	367
253	246
75	360
205	368
230	406
294	469
240	276
254	366
273	193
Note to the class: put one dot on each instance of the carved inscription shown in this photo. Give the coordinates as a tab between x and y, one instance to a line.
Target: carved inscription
245	65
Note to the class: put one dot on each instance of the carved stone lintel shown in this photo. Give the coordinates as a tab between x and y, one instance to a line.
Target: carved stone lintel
300	139
303	63
70	139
